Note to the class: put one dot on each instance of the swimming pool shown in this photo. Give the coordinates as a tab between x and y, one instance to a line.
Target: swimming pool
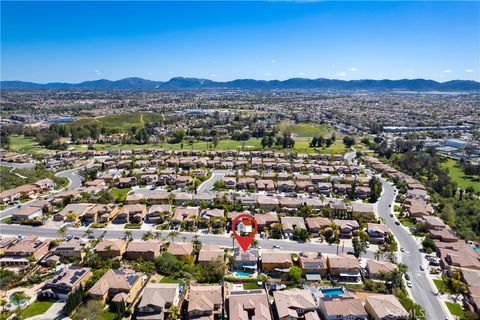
241	274
330	292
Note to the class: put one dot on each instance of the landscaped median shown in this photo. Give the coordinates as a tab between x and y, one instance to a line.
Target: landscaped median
455	309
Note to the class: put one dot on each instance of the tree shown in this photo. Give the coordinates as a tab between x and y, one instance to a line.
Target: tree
300	234
89	310
349	141
172	235
428	245
378	254
359	246
294	274
88	233
147	235
62	231
128	235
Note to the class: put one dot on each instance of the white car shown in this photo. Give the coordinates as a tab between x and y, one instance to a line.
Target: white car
409	284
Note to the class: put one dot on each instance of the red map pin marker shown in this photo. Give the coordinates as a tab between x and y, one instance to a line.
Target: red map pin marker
249	224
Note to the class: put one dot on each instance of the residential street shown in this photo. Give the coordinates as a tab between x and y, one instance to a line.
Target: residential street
422	287
207	186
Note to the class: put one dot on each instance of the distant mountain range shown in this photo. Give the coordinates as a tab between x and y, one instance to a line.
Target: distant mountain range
180	83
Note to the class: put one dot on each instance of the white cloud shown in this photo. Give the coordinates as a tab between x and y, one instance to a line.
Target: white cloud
469	71
301	73
149	73
266	74
213	75
342	74
409	71
98	72
447	71
170	72
273	61
352	69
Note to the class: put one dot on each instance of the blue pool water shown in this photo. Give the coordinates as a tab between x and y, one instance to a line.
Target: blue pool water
242	274
330	292
475	247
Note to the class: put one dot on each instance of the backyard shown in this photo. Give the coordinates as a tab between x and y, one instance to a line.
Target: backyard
36	308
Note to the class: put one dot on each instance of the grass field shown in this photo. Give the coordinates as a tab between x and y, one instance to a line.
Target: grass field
36	308
119	194
251	286
105	315
307	130
455	309
24	145
10	180
459	176
121	122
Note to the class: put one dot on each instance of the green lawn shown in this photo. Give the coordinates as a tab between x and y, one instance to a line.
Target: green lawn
170	280
441	286
251	286
36	308
455	309
119	194
120	122
24	145
457	174
105	315
308	130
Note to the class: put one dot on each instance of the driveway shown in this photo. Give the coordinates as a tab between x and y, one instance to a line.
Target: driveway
207	186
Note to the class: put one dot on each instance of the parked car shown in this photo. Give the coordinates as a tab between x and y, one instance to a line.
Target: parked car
277	247
422	268
409	284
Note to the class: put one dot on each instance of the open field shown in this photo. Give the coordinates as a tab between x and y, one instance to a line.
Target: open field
10	180
24	145
457	174
307	130
119	122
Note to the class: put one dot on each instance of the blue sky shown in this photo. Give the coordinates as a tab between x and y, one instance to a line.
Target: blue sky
73	41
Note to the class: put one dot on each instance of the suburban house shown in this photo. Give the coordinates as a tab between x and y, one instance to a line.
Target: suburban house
118	285
132	213
73	212
245	260
126	182
205	302
65	282
182	250
101	213
375	267
292	223
210	253
111	248
157	300
265	219
385	307
313	265
377	232
295	304
212	215
276	261
267	203
187	214
19	254
158	212
345	267
348	228
342	308
316	224
71	248
145	250
251	304
27	213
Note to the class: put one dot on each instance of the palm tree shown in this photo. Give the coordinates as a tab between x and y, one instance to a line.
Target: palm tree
173	235
158	235
174	313
128	235
147	236
378	254
255	243
88	233
62	231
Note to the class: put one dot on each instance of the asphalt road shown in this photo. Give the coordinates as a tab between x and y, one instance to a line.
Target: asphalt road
421	286
207	186
220	240
28	165
72	175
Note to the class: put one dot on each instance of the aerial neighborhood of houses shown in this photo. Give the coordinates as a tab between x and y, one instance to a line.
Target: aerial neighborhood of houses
147	233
